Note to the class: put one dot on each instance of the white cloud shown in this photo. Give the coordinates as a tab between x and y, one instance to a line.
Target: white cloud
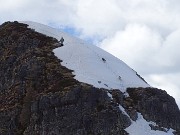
143	33
11	4
98	17
136	44
171	48
59	11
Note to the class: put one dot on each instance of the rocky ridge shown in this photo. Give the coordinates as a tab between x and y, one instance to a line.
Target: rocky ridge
40	96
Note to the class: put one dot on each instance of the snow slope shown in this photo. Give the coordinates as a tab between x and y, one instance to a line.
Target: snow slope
86	61
141	127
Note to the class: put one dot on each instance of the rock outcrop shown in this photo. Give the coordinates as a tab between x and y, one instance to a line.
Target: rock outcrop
156	105
39	96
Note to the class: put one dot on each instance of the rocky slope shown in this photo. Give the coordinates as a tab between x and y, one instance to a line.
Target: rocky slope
39	96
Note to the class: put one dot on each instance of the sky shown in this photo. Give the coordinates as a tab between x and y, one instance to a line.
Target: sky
145	34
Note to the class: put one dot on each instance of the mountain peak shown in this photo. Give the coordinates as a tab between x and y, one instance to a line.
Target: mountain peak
91	64
47	87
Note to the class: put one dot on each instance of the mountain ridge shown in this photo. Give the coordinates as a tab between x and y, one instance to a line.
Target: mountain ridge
87	61
41	96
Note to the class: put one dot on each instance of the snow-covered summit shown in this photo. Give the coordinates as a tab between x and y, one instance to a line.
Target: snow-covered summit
95	66
91	64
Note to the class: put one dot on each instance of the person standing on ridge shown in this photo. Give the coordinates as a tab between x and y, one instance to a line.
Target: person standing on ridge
61	41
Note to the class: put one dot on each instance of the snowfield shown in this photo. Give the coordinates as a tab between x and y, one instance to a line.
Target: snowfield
97	67
91	64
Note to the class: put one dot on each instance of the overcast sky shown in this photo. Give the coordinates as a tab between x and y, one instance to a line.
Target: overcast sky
145	34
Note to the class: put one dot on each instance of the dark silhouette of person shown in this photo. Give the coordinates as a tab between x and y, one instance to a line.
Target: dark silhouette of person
61	41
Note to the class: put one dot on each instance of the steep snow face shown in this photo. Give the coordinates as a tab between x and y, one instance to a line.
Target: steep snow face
91	64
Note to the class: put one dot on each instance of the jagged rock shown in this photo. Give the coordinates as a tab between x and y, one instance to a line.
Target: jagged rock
82	110
156	105
153	127
117	96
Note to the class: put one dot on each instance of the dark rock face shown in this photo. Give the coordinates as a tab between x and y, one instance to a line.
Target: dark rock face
156	105
39	96
81	111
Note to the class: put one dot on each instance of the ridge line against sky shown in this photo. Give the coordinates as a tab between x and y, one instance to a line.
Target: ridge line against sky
145	34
